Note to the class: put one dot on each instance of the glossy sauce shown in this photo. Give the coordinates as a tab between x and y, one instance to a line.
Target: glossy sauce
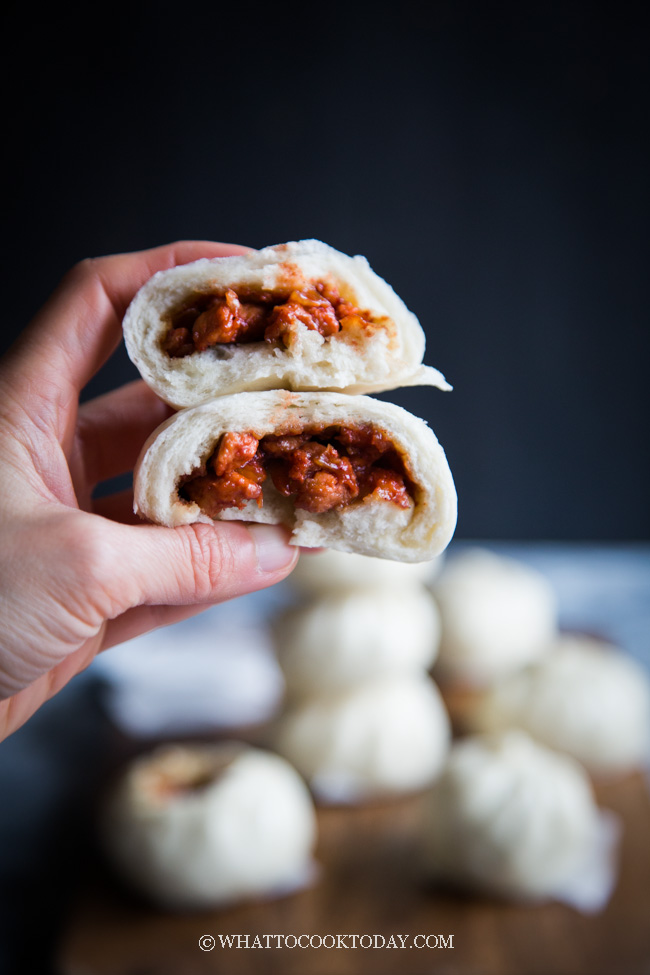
321	468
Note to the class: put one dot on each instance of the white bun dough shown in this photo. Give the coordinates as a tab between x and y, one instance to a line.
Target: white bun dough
330	571
584	697
511	818
343	639
497	615
358	361
201	826
387	737
371	527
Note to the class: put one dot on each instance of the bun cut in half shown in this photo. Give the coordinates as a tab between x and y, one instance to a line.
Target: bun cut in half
298	316
344	472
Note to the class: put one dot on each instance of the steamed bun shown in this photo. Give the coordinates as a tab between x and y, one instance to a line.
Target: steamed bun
584	697
512	818
388	736
200	826
497	615
345	638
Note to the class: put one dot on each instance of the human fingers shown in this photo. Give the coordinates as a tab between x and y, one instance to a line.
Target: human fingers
15	710
192	564
112	428
122	275
78	328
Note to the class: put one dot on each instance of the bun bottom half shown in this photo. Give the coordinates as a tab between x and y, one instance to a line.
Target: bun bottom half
414	531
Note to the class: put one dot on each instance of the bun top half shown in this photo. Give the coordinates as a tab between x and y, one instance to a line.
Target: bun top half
383	349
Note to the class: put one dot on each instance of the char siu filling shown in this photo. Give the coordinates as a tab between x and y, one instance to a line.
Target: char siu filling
320	468
248	315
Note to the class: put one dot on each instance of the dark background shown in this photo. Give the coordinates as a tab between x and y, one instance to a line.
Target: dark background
489	161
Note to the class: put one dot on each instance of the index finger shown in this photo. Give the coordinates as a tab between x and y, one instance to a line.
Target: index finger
80	325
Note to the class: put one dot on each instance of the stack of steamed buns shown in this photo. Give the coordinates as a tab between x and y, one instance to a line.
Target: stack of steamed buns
541	713
504	664
508	807
363	718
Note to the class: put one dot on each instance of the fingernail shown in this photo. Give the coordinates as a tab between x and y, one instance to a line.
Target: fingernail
273	550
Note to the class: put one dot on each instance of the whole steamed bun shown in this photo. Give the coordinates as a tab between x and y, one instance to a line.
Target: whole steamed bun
385	737
497	615
347	637
584	697
509	817
202	826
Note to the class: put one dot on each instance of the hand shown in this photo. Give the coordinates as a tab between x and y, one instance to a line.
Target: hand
77	575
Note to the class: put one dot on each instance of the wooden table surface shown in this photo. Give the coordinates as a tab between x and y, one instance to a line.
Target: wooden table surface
371	885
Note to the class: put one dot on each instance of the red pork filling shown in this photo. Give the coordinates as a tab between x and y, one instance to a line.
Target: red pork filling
321	468
255	316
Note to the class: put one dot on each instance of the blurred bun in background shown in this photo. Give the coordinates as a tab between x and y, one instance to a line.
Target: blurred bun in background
386	737
196	826
497	614
344	638
583	697
511	818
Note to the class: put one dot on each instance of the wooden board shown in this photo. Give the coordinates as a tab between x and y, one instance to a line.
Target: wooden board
371	885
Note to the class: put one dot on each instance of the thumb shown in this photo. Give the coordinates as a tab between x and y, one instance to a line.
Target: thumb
197	563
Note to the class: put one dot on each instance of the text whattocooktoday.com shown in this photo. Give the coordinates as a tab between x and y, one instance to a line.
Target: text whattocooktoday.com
208	942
